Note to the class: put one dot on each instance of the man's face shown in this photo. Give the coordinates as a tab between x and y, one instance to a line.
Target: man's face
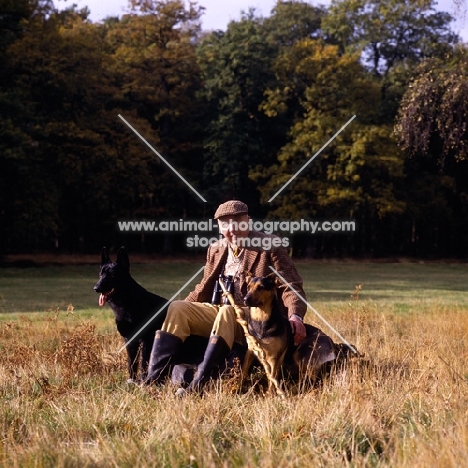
234	227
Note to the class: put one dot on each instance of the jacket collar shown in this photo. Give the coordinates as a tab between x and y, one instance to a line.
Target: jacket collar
250	255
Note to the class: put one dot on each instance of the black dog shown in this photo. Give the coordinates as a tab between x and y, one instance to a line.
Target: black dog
133	307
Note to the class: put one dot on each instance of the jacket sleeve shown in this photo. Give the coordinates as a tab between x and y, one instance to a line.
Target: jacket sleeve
283	264
204	290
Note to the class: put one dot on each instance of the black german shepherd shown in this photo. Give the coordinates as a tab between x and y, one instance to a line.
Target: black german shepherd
133	307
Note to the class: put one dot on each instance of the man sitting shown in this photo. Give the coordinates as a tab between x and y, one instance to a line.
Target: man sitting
240	251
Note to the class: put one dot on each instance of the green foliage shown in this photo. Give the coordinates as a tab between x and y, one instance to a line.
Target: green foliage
62	106
13	13
237	113
355	176
153	63
24	181
236	66
392	38
154	59
82	166
293	21
388	32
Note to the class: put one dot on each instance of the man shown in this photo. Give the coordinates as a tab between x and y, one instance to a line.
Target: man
239	252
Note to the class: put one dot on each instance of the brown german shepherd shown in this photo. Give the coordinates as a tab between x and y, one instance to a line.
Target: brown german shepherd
273	333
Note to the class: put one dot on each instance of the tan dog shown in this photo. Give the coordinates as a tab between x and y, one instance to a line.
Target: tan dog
273	333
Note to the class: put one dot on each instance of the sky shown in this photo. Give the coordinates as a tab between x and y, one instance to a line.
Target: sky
218	13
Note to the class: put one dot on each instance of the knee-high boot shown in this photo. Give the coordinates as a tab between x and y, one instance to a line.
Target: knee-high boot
165	348
215	355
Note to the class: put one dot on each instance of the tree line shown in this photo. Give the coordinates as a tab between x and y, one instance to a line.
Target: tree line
237	113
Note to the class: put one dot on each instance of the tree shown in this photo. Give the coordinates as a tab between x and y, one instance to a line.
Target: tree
389	32
292	21
392	38
151	55
433	116
58	156
357	176
236	68
432	129
24	201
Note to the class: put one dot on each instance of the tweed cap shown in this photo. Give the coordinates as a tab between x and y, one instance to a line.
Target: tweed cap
231	208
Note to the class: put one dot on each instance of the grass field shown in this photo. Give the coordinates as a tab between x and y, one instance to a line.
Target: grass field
64	401
400	285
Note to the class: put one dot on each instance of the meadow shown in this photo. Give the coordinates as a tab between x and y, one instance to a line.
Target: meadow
403	403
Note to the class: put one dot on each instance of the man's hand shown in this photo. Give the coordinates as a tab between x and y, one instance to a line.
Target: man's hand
298	328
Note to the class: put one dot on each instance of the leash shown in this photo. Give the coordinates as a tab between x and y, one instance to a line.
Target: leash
252	342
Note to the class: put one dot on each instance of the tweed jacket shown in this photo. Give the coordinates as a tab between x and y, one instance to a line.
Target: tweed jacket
256	261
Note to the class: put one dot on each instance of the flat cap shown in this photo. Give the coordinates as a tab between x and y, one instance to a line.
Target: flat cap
231	208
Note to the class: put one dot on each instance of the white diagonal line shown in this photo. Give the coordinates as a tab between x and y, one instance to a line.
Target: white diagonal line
312	158
312	309
166	162
159	311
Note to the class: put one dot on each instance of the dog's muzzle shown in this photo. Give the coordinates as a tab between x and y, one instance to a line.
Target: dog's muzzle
249	301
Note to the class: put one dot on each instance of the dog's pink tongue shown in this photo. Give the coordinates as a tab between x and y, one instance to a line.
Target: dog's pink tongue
102	299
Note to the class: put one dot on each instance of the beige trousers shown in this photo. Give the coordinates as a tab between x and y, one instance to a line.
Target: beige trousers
186	318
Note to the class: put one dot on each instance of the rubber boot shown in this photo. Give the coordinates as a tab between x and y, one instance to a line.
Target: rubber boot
215	355
165	347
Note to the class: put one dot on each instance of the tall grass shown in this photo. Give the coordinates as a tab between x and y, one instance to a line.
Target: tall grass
405	403
64	401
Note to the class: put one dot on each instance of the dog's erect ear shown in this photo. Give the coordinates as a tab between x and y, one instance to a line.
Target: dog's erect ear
105	259
274	278
248	276
269	281
122	258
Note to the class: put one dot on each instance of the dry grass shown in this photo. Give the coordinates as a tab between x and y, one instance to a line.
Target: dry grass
404	404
